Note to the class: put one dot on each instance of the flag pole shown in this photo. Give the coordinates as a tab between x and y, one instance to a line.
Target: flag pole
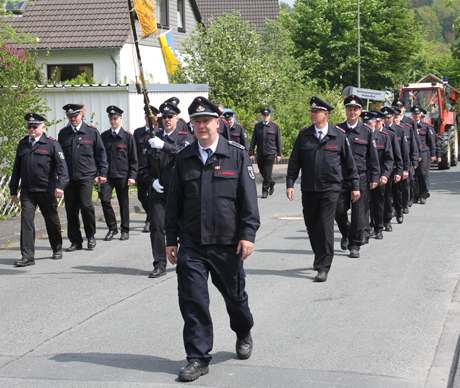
143	91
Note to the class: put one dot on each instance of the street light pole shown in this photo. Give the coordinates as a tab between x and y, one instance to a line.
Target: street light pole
359	45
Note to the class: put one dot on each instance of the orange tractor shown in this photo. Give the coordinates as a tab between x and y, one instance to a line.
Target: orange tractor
441	101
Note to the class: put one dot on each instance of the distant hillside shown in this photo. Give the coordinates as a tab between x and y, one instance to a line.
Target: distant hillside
437	16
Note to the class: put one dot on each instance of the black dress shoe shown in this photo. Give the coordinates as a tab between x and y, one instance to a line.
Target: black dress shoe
422	201
406	210
22	262
271	190
74	247
344	243
400	219
264	194
146	227
354	253
388	228
157	272
57	255
110	235
321	277
379	235
91	243
124	236
244	346
193	370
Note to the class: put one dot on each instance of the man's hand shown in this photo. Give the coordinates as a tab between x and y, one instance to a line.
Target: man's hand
253	158
397	178
171	254
290	193
158	187
355	196
245	249
278	159
156	143
373	185
101	180
58	193
405	175
433	158
131	182
15	199
439	160
383	180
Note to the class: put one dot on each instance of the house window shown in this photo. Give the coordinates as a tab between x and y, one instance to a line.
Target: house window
162	14
181	15
60	73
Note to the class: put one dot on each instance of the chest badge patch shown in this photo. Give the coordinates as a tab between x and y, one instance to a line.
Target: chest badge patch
251	172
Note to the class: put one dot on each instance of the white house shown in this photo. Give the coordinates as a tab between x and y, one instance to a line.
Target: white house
94	36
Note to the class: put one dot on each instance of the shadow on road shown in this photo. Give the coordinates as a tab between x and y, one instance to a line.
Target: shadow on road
285	251
11	272
445	182
290	273
115	270
140	362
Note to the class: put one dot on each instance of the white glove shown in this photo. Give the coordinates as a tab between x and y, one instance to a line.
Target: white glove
156	142
158	187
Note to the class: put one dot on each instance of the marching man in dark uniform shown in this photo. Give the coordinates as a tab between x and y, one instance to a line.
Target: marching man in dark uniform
212	213
398	166
427	149
41	169
385	154
267	139
165	145
87	162
367	163
324	155
121	152
141	137
236	131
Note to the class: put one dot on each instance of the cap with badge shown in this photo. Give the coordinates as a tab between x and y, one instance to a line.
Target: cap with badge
317	104
172	100
34	119
72	109
201	106
265	111
228	113
353	100
154	110
368	116
396	111
387	111
418	110
170	108
398	103
114	111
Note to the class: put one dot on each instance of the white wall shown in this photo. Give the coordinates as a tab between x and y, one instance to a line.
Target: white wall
97	98
103	66
152	61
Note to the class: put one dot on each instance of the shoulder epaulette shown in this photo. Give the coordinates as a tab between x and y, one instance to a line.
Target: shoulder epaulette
340	129
384	131
184	147
51	138
237	145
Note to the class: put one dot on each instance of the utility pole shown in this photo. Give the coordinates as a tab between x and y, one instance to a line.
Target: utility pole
359	45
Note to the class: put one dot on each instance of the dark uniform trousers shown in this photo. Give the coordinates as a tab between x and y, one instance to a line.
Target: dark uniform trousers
143	190
78	197
398	189
194	264
157	213
319	213
105	194
356	230
422	176
407	187
265	165
388	201
377	204
47	204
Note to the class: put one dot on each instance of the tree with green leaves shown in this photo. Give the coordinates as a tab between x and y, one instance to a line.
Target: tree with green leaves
19	76
325	34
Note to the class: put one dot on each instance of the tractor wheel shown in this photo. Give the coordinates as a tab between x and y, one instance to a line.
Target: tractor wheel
454	153
445	152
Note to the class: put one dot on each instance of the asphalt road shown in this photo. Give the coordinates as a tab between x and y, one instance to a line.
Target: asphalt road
389	319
